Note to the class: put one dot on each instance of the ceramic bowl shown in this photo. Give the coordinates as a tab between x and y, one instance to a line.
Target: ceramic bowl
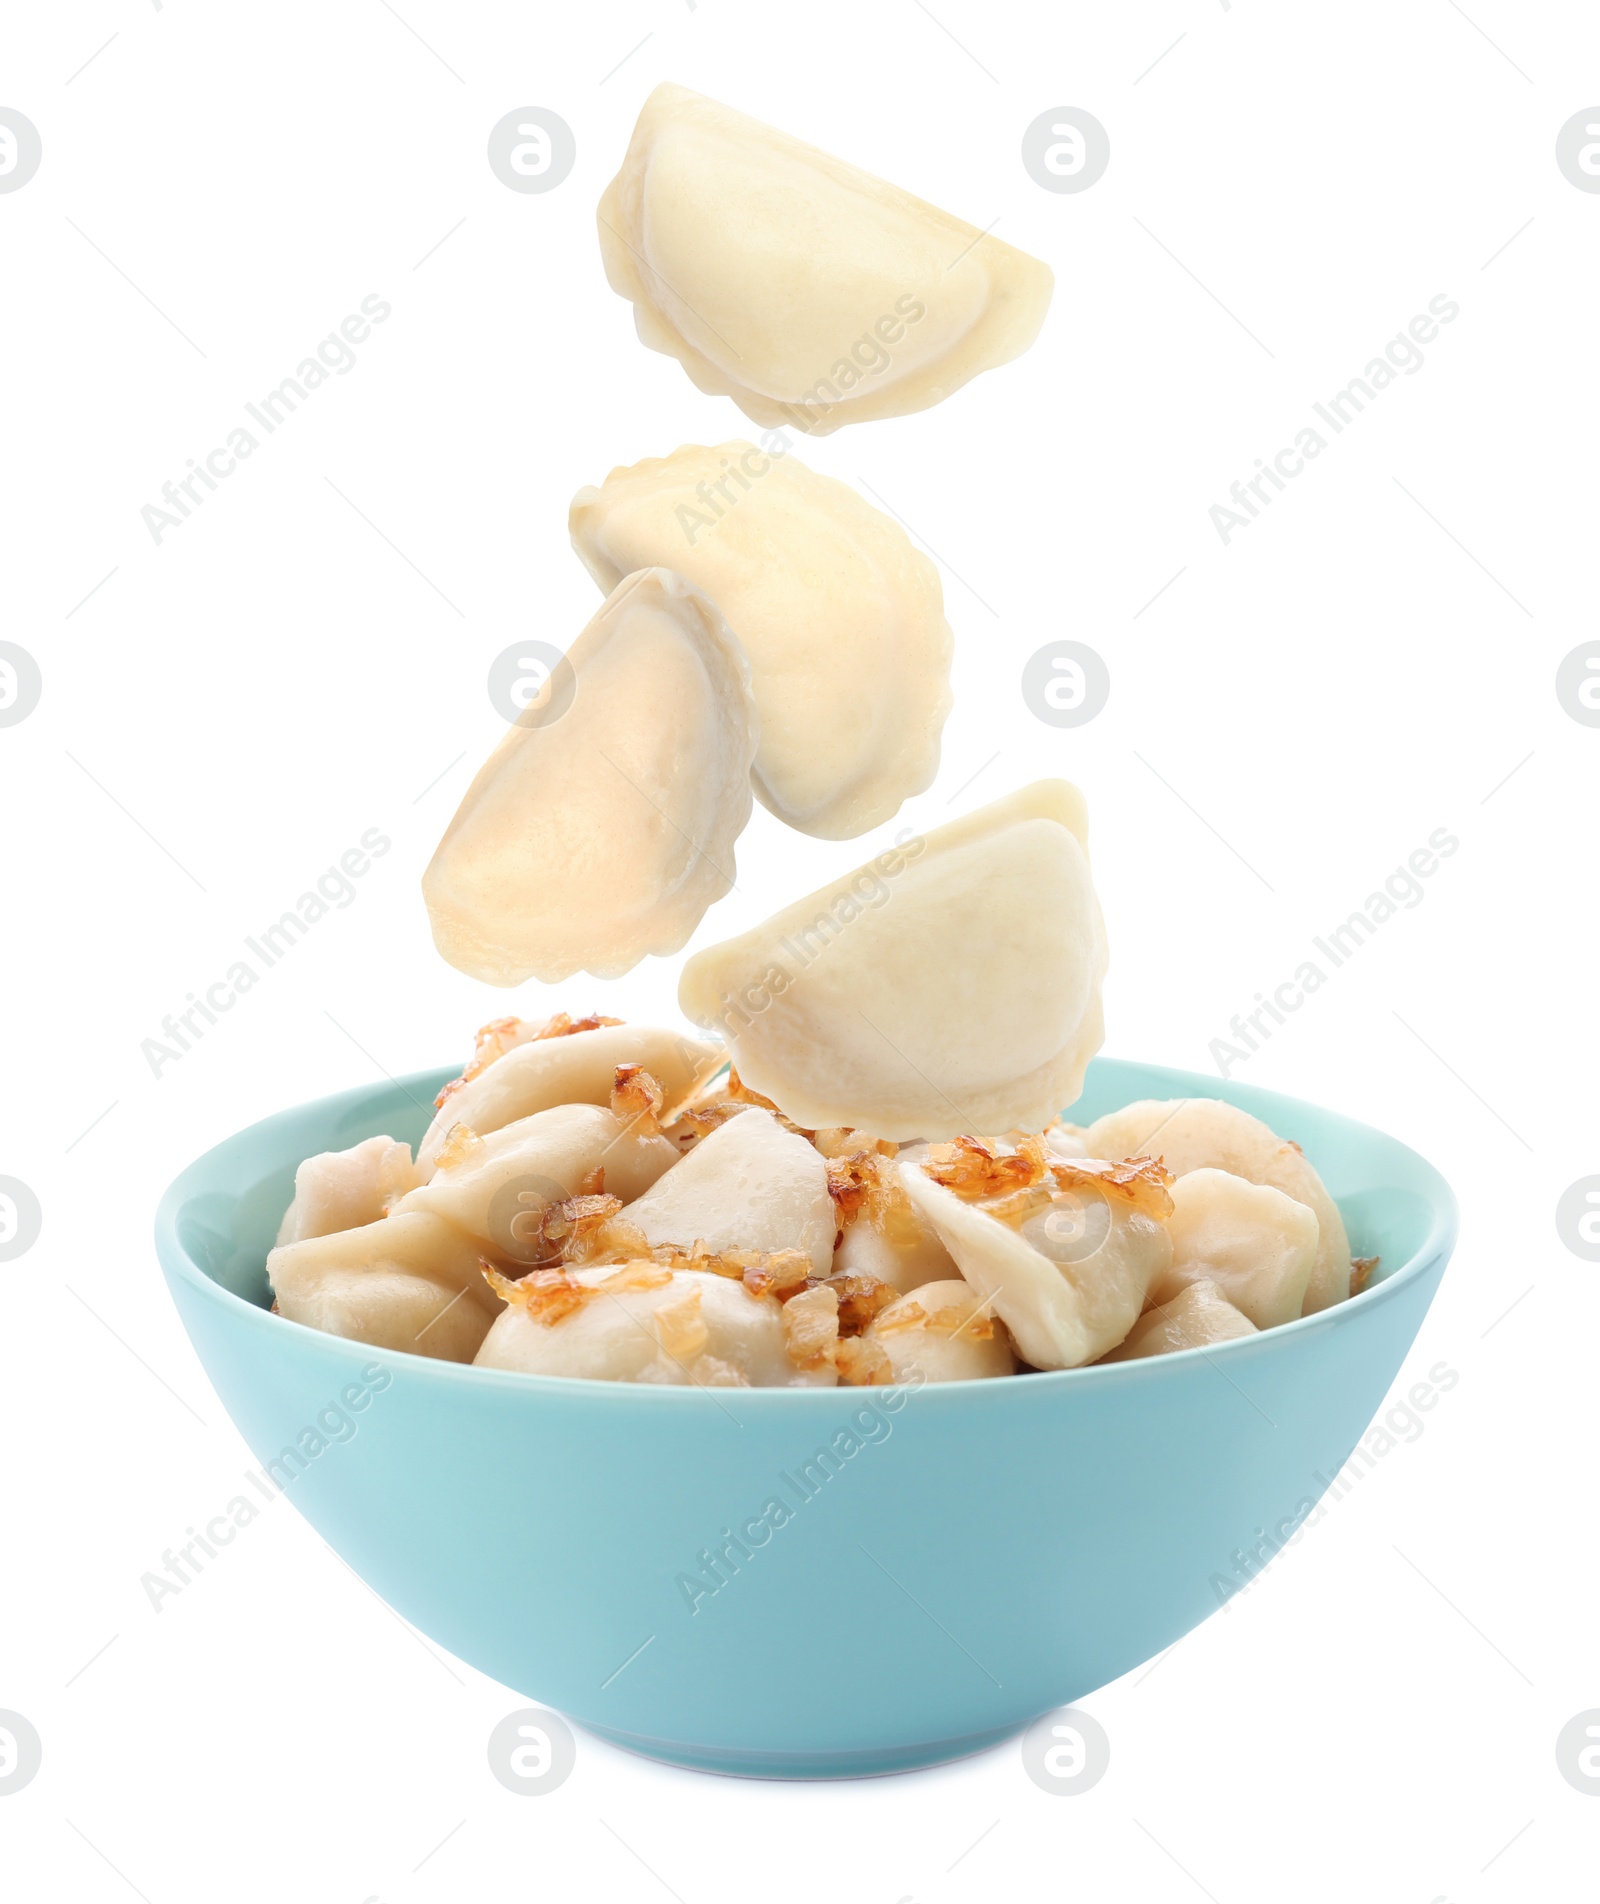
944	1564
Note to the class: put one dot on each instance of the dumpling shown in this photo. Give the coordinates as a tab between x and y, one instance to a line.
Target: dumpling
497	1188
638	1322
750	1185
810	292
904	1254
1066	1264
1197	1316
842	619
578	1068
944	1333
1196	1133
341	1189
950	985
603	825
1255	1245
410	1282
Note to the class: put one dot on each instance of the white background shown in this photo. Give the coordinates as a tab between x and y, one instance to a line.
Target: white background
1288	721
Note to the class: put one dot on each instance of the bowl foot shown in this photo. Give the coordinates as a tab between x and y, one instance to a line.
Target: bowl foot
737	1762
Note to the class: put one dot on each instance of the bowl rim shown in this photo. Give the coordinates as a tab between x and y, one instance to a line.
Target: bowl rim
1435	1247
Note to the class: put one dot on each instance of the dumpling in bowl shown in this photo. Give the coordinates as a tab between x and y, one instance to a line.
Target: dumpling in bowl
750	1185
1251	1243
1197	1133
1066	1261
951	985
843	620
1198	1316
341	1189
410	1282
578	1067
808	291
944	1332
498	1188
639	1322
603	825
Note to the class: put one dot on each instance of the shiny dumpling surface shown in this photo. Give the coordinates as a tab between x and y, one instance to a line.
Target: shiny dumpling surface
807	290
944	1332
950	985
842	619
750	1185
636	1322
1198	1133
1252	1243
1198	1316
579	1068
603	825
410	1281
1070	1276
342	1189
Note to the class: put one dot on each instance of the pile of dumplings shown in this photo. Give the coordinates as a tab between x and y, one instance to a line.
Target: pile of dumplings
766	633
610	1202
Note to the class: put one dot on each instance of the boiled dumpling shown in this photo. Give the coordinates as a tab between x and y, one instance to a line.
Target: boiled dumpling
1066	1264
808	291
638	1322
1255	1245
943	1333
1195	1133
577	1068
750	1185
603	825
341	1189
1197	1316
498	1188
410	1281
905	1254
842	619
951	985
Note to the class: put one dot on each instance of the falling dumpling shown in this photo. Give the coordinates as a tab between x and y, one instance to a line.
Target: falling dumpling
1196	1133
341	1189
1197	1316
1066	1263
579	1067
498	1188
842	619
808	291
603	825
638	1322
410	1281
1255	1245
943	1333
750	1185
949	985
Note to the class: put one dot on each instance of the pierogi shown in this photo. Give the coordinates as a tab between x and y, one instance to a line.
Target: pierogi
944	1332
1196	1133
810	292
1198	1316
1254	1245
638	1322
603	825
842	619
951	985
578	1066
343	1188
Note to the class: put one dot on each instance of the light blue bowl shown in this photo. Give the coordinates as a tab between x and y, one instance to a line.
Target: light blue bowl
984	1551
